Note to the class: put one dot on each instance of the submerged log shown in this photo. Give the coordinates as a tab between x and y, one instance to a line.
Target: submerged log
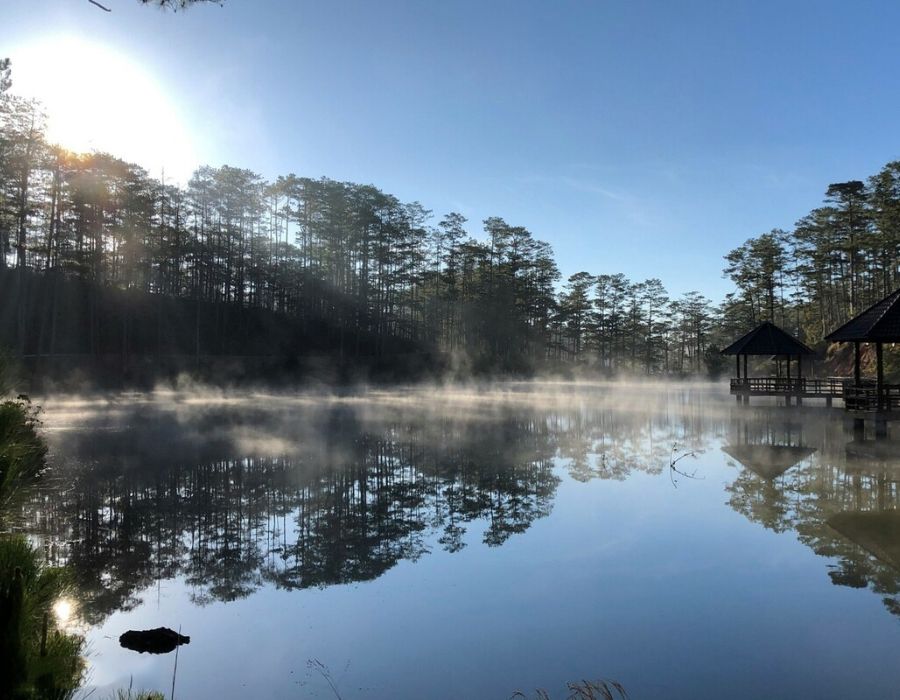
161	640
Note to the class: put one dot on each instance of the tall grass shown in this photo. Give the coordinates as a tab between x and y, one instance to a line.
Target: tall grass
137	695
37	659
584	690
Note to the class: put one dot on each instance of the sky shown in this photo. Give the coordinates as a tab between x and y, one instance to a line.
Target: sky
635	136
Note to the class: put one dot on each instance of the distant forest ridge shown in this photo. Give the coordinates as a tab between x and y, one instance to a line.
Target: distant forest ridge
357	275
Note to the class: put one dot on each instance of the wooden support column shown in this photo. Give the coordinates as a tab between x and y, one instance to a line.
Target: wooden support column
879	377
746	377
787	395
799	380
857	380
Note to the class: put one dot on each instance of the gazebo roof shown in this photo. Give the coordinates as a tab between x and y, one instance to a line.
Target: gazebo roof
879	323
768	461
877	533
767	339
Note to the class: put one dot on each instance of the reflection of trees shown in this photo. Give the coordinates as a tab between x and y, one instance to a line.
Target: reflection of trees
230	499
841	508
600	443
345	503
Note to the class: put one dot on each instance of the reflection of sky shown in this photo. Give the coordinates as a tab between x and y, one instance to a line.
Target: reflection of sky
667	590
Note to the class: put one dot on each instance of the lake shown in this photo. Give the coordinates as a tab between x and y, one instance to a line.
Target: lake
469	542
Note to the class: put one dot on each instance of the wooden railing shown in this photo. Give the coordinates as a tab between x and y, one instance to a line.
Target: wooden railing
856	398
865	397
779	386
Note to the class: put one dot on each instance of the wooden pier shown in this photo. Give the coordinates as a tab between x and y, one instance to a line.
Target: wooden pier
796	387
861	398
864	399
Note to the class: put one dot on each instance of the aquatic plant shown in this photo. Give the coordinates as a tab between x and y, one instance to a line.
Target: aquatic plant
583	690
130	694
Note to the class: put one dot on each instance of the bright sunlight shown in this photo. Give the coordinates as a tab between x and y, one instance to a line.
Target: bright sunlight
97	98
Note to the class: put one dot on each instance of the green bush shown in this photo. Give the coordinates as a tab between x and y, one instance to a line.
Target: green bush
22	450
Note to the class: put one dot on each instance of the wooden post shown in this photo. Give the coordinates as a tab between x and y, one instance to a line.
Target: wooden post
856	370
787	394
799	380
746	379
879	377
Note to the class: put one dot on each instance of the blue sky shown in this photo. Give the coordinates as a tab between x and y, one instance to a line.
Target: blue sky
640	137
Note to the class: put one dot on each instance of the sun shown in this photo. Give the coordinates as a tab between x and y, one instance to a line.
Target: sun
98	98
63	609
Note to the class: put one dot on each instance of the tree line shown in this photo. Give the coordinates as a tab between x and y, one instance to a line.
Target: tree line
313	248
378	271
837	260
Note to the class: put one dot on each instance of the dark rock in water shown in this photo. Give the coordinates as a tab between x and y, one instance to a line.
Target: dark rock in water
162	640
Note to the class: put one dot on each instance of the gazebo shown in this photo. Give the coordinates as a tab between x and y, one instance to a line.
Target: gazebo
879	324
769	340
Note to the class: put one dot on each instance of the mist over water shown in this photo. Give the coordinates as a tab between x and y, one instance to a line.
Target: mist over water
472	540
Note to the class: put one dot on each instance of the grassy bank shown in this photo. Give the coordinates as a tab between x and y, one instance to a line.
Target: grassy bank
38	659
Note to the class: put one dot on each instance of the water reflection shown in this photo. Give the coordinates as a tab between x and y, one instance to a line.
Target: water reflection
234	496
343	508
843	503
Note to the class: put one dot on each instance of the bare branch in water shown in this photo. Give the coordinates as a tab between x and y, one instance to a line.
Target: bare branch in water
673	470
325	672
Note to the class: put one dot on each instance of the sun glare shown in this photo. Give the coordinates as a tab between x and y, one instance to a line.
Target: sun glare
97	98
63	610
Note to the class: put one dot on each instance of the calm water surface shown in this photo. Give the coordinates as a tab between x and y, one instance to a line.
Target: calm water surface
466	543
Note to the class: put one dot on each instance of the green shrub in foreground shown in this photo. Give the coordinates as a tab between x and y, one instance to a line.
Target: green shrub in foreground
37	659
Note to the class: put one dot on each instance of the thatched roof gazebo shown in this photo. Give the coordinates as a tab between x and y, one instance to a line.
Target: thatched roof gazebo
767	339
879	324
